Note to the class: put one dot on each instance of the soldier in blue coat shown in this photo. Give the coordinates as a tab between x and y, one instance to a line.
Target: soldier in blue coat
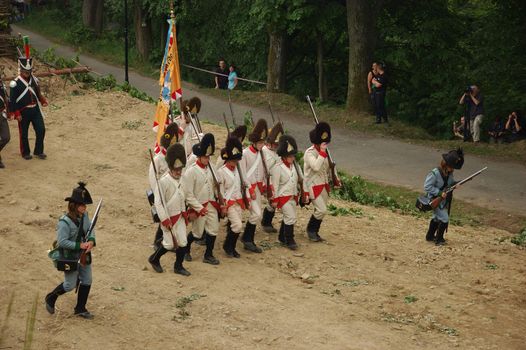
435	185
70	229
24	100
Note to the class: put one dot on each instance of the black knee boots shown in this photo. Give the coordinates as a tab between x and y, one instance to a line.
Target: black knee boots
229	246
51	298
209	256
248	238
313	227
154	259
439	239
158	240
281	236
180	252
288	232
266	221
82	298
190	239
433	226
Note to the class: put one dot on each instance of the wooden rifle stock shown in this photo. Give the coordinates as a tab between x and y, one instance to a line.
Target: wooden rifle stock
437	200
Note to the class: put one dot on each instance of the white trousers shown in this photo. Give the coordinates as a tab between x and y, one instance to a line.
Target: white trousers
179	233
209	222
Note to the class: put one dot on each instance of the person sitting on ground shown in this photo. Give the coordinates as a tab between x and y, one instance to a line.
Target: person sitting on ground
458	129
514	127
496	131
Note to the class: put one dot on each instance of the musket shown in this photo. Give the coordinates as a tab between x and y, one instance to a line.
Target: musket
241	179
219	198
84	253
161	196
436	201
231	109
332	164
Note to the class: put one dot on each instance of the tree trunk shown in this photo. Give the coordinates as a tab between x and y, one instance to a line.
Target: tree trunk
143	32
361	25
164	33
92	11
277	59
322	79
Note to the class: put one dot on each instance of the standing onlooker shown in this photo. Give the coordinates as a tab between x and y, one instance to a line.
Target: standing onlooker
496	131
5	135
514	127
473	98
222	77
370	86
380	84
232	77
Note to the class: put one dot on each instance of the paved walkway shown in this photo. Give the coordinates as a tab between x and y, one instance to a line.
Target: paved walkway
502	186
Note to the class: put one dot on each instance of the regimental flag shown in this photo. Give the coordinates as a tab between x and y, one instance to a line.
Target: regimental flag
170	82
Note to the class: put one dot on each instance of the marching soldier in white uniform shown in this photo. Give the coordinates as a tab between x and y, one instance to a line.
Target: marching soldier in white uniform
272	159
285	182
199	189
171	208
255	170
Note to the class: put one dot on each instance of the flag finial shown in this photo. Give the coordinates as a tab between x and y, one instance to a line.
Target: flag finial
172	12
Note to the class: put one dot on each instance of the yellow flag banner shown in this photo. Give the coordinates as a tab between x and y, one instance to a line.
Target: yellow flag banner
170	82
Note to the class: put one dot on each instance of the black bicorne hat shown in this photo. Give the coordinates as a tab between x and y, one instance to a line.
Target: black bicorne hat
287	146
260	131
321	133
80	195
170	136
206	147
233	149
275	133
454	159
175	156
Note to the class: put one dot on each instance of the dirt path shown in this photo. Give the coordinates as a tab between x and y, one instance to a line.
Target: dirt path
375	284
383	160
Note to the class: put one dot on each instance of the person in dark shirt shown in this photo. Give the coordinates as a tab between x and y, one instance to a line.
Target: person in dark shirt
496	131
475	101
380	84
5	135
222	80
514	127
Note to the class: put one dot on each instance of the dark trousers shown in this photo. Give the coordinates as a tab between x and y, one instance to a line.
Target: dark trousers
379	106
5	135
32	116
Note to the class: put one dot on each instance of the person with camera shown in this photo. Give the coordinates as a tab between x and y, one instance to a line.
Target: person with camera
474	101
380	83
514	128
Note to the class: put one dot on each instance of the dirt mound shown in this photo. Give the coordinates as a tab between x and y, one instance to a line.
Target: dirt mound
375	283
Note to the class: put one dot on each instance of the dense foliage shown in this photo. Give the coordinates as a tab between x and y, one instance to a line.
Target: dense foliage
433	49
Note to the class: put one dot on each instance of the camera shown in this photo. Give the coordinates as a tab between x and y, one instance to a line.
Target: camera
468	90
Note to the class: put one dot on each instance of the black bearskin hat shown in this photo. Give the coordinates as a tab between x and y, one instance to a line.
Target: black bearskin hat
233	149
287	146
275	133
170	136
239	132
454	159
194	105
206	147
175	156
80	195
260	131
321	133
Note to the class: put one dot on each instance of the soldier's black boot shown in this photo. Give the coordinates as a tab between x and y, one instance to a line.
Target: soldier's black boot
158	240
51	298
248	238
312	229
82	298
235	236
190	239
439	239
154	259
281	235
180	252
288	231
433	226
227	244
209	257
266	221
